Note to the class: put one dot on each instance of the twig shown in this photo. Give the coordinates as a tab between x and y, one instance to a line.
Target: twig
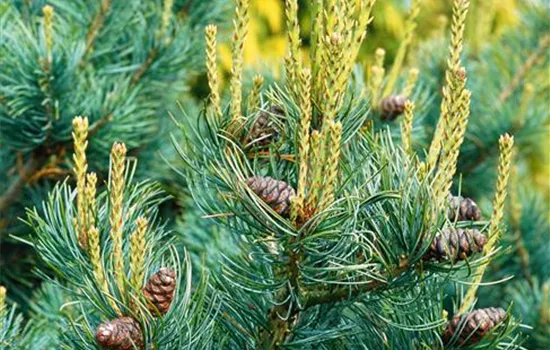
33	164
145	66
264	154
525	68
342	294
47	172
280	328
97	23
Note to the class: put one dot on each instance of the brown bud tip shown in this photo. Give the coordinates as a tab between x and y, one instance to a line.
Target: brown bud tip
461	73
119	149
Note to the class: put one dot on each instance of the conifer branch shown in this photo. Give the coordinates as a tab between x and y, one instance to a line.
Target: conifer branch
48	30
406	127
342	294
91	182
293	30
456	121
94	241
94	238
377	75
529	64
360	32
330	17
80	135
332	88
449	102
332	166
95	27
116	190
137	253
317	170
151	56
460	12
212	68
254	97
316	49
304	132
410	82
506	144
354	32
237	56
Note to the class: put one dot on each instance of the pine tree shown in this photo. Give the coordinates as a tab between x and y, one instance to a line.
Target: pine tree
334	222
317	228
117	63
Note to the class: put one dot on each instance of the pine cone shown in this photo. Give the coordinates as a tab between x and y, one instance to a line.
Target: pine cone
159	290
392	107
473	326
456	244
123	333
462	209
275	193
263	131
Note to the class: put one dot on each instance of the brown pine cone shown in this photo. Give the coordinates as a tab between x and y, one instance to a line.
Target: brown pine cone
275	193
456	244
473	326
392	107
462	209
159	290
263	131
123	333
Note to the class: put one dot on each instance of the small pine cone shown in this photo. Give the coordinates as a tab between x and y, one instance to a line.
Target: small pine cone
123	333
392	107
456	244
275	193
473	326
462	209
263	131
159	290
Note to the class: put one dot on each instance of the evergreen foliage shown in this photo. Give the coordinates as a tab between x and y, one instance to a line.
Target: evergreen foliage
510	94
322	210
347	266
118	63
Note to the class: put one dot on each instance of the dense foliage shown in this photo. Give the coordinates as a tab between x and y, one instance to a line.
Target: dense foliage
323	207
